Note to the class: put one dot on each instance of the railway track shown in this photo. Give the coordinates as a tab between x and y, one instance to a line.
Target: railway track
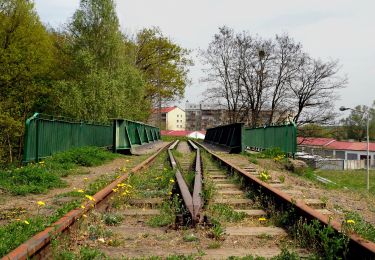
190	202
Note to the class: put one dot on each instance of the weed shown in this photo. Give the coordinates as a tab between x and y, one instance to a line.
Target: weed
214	245
264	176
190	238
265	236
83	156
112	219
224	212
96	231
167	214
208	190
217	230
272	153
282	178
40	177
356	223
87	253
17	232
177	154
323	239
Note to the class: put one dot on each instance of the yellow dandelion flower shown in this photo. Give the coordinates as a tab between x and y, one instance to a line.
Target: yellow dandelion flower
41	203
89	197
262	219
350	221
26	222
171	181
83	207
86	179
84	215
170	193
80	191
115	190
121	185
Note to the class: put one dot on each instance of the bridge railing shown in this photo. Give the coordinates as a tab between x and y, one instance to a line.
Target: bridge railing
237	138
46	135
129	134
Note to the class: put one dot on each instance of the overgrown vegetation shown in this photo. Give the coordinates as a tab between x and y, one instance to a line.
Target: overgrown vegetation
87	70
17	232
325	240
40	177
222	212
355	222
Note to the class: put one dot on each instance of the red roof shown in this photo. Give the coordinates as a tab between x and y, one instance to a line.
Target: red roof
314	141
353	146
179	132
163	110
331	143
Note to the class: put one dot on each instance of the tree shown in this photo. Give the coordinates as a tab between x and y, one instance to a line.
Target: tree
356	123
267	81
223	58
163	63
313	91
100	83
26	58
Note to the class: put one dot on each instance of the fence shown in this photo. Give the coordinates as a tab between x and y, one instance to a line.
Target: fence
278	136
130	134
236	137
46	135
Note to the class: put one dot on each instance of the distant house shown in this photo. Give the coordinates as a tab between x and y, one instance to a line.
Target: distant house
172	118
191	134
329	147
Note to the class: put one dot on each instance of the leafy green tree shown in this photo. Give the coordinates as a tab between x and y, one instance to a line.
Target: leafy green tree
26	58
100	83
163	63
356	122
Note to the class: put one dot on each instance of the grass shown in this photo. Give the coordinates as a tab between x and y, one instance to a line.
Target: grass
43	176
360	226
18	231
222	212
350	179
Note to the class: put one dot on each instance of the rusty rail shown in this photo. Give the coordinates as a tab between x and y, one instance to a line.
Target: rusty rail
197	192
193	203
359	248
35	247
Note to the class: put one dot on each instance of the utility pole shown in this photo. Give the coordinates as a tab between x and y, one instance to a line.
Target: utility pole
159	88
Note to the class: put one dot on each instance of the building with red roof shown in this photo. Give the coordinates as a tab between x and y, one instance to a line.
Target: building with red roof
329	147
172	118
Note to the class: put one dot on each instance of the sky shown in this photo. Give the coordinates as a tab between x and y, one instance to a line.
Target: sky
341	30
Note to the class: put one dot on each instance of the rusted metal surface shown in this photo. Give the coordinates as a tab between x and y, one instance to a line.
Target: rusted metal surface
193	203
359	248
41	240
197	192
174	145
186	196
